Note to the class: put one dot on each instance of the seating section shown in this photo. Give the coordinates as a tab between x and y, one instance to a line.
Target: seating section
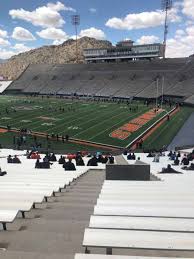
134	79
24	186
155	215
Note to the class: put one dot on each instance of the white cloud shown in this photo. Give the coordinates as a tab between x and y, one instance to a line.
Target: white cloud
142	20
4	43
92	10
3	34
181	45
58	42
188	8
20	47
44	16
5	54
60	6
13	50
22	34
53	34
148	39
93	33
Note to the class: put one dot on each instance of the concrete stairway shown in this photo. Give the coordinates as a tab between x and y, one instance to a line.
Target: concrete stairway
54	230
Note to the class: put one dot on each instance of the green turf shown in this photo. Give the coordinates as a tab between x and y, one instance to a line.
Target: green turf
81	120
168	130
6	141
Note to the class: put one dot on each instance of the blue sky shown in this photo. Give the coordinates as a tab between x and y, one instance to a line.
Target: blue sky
29	24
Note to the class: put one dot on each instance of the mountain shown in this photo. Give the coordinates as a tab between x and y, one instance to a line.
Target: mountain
2	61
60	54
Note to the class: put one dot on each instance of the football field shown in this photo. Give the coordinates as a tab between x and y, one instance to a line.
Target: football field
100	122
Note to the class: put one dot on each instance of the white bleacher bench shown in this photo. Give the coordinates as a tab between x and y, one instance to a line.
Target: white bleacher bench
142	223
145	203
99	256
109	239
144	211
7	216
146	197
22	206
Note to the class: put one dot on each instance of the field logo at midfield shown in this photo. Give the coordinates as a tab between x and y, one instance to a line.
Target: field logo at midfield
127	129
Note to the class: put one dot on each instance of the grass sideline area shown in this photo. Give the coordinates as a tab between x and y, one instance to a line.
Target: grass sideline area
84	120
168	130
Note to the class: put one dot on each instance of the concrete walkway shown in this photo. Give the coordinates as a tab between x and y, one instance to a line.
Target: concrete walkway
185	135
55	230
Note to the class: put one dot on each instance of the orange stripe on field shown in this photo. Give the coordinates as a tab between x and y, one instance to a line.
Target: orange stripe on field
149	133
3	130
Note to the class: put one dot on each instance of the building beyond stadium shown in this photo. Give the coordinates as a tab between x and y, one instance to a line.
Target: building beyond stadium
124	51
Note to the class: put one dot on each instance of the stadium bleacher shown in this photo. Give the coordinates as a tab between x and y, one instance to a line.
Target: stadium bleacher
135	79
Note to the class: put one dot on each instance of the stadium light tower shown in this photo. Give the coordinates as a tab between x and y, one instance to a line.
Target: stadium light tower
75	20
166	6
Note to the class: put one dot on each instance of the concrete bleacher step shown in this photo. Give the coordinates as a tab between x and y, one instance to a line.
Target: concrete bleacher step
56	230
32	255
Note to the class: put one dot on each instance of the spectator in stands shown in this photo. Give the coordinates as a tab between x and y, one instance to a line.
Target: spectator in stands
79	161
129	156
156	158
150	154
105	160
9	159
37	164
190	157
170	154
62	160
69	166
178	154
176	161
46	159
189	168
2	173
111	159
43	165
125	151
169	170
16	160
100	158
133	157
173	156
34	155
53	158
185	161
93	161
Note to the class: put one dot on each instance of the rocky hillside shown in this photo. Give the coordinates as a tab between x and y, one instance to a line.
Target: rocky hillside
64	53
